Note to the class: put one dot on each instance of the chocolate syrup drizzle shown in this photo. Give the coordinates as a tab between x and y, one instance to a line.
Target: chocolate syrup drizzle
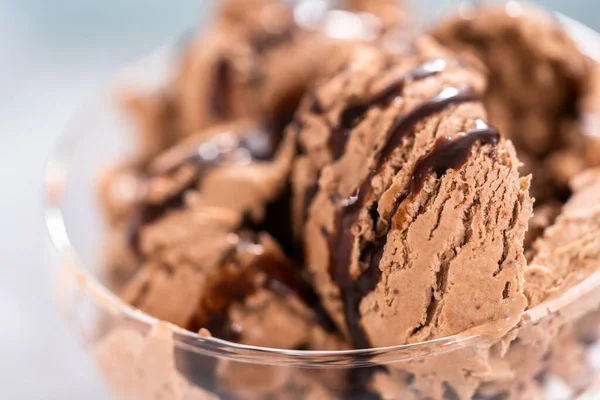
354	114
341	240
234	287
451	153
256	144
448	153
222	88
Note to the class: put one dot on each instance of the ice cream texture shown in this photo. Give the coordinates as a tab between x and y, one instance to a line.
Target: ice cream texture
302	190
437	201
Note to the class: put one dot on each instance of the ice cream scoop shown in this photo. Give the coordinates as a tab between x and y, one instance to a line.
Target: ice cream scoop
540	93
415	229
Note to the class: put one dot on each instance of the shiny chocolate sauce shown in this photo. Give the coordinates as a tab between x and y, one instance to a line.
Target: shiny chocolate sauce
236	282
233	284
354	114
224	149
448	153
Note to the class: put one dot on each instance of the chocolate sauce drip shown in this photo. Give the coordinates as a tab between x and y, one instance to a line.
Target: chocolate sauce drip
223	78
282	111
403	124
269	40
341	240
316	107
309	195
236	283
354	114
256	144
451	153
147	213
221	91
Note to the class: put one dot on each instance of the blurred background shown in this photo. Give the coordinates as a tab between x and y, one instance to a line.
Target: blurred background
53	55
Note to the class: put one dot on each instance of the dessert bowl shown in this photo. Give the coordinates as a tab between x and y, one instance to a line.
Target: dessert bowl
141	357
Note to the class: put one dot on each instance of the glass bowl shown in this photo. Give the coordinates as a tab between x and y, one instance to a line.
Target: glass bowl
143	358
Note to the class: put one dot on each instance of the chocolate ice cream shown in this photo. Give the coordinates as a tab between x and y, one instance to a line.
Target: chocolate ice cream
236	167
255	60
194	224
521	363
143	367
251	62
540	89
243	157
299	189
417	200
569	250
229	286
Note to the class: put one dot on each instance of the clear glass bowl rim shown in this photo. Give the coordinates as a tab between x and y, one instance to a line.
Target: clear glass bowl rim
56	175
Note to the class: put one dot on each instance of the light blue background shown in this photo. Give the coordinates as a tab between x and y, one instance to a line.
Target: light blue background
53	54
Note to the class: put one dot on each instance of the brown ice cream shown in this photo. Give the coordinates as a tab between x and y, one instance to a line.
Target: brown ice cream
251	62
255	60
149	367
228	286
541	90
417	200
236	167
569	250
200	272
183	225
521	363
294	189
